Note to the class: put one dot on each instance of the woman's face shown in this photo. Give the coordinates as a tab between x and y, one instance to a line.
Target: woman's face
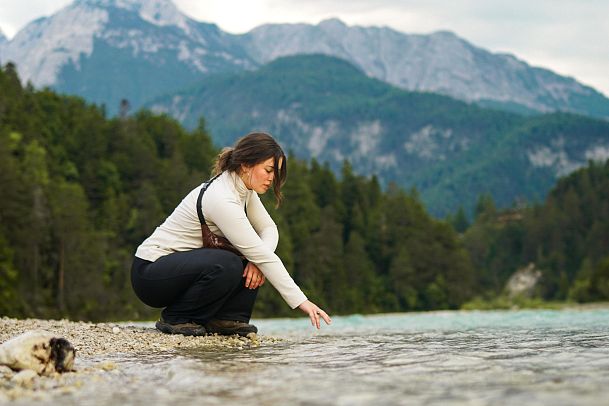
259	177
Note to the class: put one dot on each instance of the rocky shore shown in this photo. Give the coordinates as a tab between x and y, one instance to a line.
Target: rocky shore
100	347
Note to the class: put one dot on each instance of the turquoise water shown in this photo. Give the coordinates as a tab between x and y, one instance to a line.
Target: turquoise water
439	358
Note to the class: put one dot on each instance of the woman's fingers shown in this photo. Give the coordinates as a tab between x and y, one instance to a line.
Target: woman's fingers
325	316
248	278
314	315
254	278
255	281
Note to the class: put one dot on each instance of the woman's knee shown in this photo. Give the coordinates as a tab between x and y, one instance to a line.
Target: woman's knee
232	265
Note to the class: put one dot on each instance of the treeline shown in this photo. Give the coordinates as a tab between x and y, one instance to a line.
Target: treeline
81	191
566	237
355	248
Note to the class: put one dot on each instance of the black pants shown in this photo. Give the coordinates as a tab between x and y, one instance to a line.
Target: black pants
195	286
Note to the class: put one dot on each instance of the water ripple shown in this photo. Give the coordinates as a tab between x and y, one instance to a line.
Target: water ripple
445	358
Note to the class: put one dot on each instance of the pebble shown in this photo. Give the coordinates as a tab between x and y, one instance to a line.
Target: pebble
97	345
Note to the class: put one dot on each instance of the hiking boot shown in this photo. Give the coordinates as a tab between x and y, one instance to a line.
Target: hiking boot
187	329
229	327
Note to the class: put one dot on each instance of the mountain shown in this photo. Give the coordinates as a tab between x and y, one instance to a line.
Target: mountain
323	107
3	38
107	50
440	62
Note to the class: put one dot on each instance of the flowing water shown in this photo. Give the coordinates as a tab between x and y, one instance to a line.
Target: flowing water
437	358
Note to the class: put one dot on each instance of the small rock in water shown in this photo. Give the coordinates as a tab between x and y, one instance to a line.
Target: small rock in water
107	366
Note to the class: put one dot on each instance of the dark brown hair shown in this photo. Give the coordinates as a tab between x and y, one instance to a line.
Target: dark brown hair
251	150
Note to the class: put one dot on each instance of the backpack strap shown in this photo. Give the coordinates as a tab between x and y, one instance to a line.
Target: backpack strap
203	189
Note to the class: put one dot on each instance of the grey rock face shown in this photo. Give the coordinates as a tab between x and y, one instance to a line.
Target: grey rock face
106	50
440	62
523	281
165	51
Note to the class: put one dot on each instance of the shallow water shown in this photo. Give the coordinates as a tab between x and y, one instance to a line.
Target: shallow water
439	358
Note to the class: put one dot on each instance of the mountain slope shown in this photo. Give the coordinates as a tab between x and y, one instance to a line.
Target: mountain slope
115	49
108	50
440	62
323	107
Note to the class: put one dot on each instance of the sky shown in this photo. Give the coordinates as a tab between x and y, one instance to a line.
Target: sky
570	37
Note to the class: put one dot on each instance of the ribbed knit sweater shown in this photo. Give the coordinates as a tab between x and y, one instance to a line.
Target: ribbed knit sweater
254	234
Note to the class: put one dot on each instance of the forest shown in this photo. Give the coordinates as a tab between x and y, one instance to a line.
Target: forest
81	190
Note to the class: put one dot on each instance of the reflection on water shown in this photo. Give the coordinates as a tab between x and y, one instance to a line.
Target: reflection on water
446	358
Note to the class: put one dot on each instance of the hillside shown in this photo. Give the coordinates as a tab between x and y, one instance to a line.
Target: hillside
451	151
566	237
440	62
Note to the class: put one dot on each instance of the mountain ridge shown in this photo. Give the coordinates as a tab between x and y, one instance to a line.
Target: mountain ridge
471	74
325	108
153	41
186	49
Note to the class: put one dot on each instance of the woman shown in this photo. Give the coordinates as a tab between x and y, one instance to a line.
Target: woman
207	290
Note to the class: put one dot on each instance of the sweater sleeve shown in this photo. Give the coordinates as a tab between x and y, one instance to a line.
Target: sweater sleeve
228	215
262	222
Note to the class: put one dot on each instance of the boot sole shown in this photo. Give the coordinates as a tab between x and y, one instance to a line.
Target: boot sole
169	329
242	333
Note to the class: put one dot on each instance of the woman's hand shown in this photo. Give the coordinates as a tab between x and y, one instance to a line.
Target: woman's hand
254	278
315	313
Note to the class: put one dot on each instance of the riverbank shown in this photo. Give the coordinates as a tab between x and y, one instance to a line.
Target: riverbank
435	358
518	303
99	349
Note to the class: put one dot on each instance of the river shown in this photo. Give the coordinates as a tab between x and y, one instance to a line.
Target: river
527	357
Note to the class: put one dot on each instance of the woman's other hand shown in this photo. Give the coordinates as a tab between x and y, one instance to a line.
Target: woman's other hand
254	278
314	313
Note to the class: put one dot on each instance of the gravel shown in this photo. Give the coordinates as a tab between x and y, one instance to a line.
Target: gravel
99	349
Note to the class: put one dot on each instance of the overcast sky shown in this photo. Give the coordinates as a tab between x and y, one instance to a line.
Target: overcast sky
570	37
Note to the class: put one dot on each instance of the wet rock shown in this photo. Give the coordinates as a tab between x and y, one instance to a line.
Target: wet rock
107	366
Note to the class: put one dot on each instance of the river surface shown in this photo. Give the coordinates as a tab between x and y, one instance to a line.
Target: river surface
436	358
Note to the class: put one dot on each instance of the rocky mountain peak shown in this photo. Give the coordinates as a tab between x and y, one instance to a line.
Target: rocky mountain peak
157	12
333	24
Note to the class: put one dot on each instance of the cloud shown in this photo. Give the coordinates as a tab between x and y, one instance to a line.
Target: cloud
15	14
568	37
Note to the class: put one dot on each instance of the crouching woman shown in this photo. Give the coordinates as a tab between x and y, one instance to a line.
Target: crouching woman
205	263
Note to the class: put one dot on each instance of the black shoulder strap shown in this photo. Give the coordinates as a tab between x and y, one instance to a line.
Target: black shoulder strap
203	189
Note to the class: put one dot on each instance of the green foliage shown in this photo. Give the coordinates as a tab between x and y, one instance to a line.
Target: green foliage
80	192
567	237
451	151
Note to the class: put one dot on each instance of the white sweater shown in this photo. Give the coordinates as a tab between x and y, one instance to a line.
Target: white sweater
254	235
